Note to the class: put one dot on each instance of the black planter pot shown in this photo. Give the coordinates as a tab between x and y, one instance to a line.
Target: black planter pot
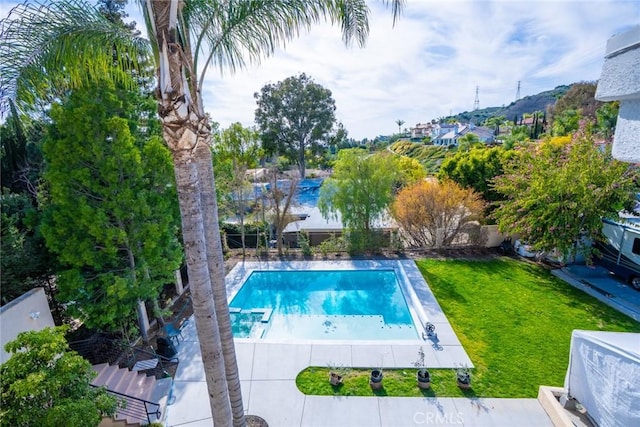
464	381
375	381
424	379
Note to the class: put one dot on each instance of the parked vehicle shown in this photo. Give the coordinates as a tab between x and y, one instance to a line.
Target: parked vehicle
620	250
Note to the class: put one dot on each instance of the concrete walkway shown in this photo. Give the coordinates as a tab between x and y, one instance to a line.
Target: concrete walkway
268	371
604	286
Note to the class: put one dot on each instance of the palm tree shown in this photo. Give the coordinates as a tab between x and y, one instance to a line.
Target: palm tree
399	122
48	47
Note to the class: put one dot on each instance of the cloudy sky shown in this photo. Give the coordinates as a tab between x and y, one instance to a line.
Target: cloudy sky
431	62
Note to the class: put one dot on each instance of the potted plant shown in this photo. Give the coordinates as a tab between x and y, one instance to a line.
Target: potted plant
375	381
336	374
424	379
463	377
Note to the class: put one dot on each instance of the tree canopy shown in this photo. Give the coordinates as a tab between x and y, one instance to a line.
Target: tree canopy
359	192
110	211
558	191
293	116
45	384
475	169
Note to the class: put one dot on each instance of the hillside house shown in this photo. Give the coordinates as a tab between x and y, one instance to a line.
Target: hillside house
421	130
456	131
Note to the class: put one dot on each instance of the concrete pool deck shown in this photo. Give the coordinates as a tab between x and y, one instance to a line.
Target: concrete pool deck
268	370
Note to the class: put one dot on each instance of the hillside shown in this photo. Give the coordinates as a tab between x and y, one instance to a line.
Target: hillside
430	156
528	104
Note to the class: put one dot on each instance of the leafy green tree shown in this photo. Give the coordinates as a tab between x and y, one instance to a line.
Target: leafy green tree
557	193
409	171
359	193
110	212
24	259
518	135
566	123
50	47
495	123
20	153
240	147
467	141
45	384
399	122
476	169
294	115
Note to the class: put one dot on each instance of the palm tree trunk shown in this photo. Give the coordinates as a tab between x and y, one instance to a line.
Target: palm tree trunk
201	290
217	275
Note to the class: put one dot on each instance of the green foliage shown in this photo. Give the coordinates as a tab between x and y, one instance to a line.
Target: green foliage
409	171
518	135
236	149
294	115
558	192
21	153
566	123
46	384
51	47
430	156
303	242
332	244
468	141
25	261
110	211
314	380
360	190
606	119
475	169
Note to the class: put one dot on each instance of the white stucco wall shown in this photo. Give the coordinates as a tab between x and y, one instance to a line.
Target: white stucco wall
28	312
620	81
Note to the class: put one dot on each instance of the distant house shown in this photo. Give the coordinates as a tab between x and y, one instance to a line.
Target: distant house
484	134
452	132
421	130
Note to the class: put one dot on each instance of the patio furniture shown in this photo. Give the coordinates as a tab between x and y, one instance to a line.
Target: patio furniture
174	332
173	328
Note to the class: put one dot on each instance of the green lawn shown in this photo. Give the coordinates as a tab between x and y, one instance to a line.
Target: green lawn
513	318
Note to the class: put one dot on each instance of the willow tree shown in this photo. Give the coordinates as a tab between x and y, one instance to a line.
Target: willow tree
359	193
48	46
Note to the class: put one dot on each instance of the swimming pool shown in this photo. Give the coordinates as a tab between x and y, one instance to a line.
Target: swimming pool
346	304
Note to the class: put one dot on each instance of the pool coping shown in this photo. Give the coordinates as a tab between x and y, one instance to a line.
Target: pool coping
442	350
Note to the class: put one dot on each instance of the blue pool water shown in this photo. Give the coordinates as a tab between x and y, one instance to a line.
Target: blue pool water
338	305
307	191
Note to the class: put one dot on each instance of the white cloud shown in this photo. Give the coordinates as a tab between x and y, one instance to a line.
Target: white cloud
430	63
